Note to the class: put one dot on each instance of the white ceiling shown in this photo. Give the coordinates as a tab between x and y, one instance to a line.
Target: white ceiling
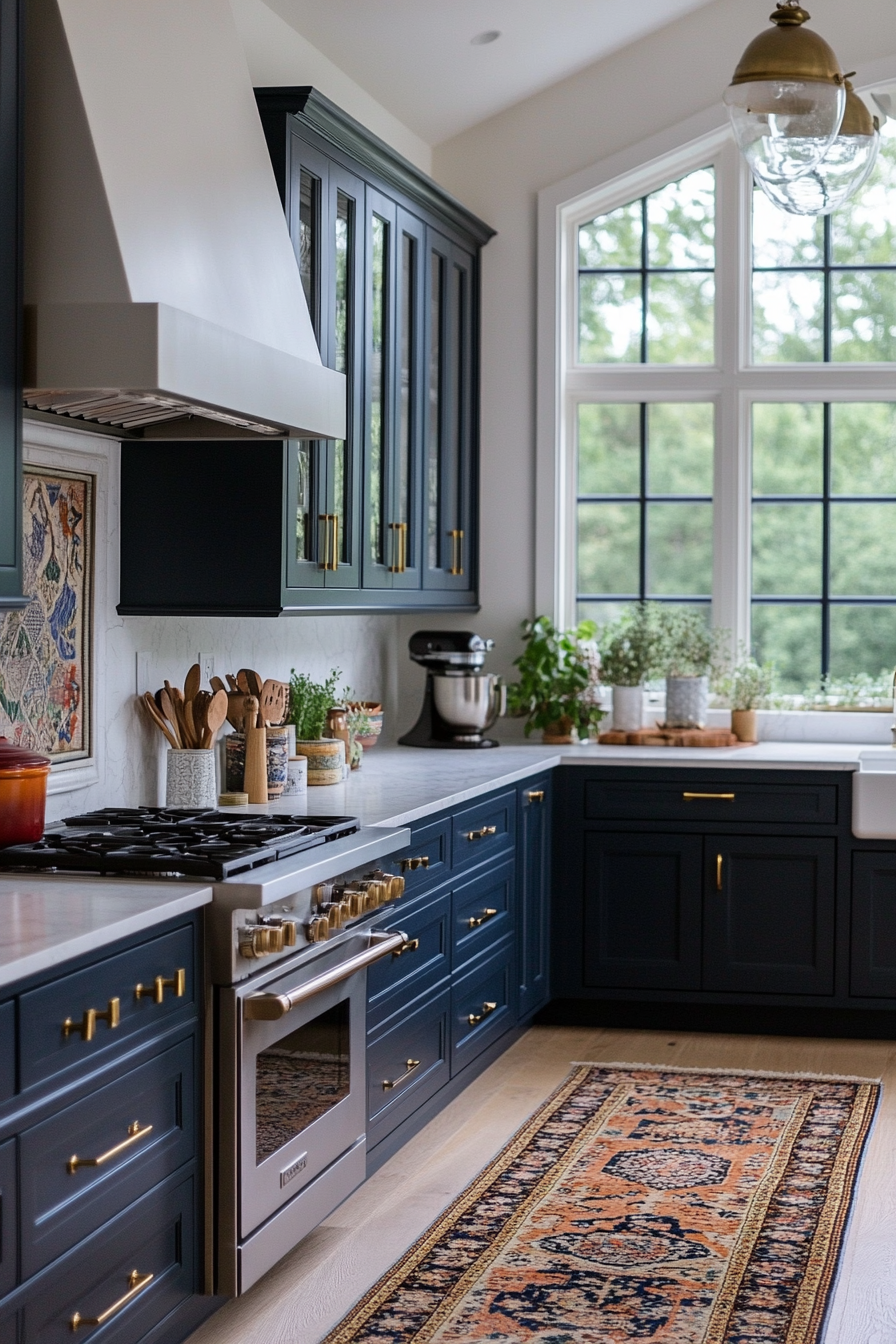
416	57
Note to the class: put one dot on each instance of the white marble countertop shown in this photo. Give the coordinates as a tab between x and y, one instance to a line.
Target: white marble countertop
47	919
398	785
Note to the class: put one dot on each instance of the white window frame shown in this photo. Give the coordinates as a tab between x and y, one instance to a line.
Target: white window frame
733	383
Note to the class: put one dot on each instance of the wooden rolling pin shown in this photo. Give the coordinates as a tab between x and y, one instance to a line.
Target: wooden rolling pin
255	776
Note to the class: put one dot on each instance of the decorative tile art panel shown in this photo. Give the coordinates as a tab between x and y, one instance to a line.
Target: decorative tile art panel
45	650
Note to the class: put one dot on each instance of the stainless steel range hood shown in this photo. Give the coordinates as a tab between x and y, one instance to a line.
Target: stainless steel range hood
162	291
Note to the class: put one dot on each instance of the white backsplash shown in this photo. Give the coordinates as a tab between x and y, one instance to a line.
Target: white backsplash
366	649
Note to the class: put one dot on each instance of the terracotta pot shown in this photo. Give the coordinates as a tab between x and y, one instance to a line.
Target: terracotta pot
743	725
23	794
374	711
560	734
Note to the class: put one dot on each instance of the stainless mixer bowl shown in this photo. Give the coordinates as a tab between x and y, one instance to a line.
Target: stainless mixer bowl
469	702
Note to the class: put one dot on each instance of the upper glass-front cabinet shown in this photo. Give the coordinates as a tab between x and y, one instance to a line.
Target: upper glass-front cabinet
10	308
390	270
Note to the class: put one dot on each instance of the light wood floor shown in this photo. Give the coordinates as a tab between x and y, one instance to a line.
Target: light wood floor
312	1288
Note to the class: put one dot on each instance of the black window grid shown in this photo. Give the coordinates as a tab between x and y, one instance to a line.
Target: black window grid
645	271
827	268
643	498
826	600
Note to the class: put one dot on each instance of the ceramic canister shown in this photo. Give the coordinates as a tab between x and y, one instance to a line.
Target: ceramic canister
191	779
326	760
277	760
296	776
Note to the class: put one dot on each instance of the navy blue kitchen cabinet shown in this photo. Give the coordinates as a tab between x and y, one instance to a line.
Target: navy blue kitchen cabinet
10	304
385	519
100	1163
475	969
719	899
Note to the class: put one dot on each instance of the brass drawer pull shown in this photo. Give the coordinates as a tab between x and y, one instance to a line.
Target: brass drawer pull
535	795
718	797
475	921
399	547
413	864
156	991
136	1284
487	1009
719	862
135	1134
410	946
410	1066
87	1025
480	835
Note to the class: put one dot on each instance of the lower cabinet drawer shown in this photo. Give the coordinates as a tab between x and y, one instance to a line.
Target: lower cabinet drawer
57	1029
483	911
7	1050
483	1006
124	1280
407	1062
88	1162
427	860
486	828
7	1219
397	979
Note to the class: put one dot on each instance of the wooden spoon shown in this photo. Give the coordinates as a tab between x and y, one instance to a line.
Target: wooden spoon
157	718
217	684
215	714
171	715
193	682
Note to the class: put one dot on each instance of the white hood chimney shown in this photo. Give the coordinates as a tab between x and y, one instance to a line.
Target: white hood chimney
160	279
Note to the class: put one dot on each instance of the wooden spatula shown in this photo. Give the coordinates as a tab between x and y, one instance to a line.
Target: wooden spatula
215	714
193	682
158	718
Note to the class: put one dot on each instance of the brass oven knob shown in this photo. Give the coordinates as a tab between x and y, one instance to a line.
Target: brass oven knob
334	913
256	942
318	931
289	932
396	887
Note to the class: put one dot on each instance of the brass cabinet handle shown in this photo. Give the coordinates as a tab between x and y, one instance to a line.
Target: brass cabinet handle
487	1008
156	991
421	862
400	547
334	519
481	834
135	1134
136	1284
410	946
719	872
325	519
535	795
87	1025
722	797
409	1066
477	920
330	560
457	550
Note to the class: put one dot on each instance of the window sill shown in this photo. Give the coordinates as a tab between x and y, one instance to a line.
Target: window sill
774	725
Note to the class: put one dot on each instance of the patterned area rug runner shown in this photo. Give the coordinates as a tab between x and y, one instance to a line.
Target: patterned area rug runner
675	1206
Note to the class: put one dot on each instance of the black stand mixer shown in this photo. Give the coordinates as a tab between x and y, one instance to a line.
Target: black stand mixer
461	701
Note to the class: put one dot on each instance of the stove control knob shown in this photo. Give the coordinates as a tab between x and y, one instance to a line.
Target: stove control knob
396	888
334	913
318	931
289	932
323	893
258	942
345	911
357	901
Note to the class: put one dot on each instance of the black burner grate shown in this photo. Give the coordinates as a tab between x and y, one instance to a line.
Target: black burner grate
158	841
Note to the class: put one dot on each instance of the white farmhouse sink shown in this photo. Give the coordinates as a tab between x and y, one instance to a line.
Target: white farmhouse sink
874	795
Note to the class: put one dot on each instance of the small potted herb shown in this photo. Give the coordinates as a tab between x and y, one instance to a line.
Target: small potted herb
558	686
690	652
309	704
628	655
747	689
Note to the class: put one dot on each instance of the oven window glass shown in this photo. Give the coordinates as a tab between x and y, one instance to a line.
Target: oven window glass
301	1078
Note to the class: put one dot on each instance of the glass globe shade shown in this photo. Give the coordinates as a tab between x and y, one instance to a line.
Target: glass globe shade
842	172
784	128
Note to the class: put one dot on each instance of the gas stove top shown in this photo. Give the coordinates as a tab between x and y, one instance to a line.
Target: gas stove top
174	842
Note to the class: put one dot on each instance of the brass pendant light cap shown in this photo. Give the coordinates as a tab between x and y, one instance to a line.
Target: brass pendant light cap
788	52
857	120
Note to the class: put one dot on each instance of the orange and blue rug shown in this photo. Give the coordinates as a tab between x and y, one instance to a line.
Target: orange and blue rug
641	1203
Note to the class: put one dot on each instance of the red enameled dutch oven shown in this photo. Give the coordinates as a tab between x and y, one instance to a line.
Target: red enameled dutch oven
23	794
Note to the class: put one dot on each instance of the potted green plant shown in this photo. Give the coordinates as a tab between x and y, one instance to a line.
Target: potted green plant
690	652
558	686
628	654
747	688
309	704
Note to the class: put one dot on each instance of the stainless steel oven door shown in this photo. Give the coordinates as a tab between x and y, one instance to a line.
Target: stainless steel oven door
301	1072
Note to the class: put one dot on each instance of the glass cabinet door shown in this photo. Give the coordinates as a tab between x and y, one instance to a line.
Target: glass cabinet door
409	385
450	417
382	536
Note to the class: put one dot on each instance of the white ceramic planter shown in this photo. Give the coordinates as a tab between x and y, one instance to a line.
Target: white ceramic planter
191	779
296	776
628	708
326	760
687	702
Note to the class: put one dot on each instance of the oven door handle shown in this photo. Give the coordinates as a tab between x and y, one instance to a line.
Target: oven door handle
270	1007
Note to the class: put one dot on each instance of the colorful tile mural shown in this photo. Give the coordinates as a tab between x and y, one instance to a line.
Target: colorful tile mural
45	671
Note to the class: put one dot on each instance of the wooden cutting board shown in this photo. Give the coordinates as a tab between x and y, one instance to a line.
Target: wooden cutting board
671	737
